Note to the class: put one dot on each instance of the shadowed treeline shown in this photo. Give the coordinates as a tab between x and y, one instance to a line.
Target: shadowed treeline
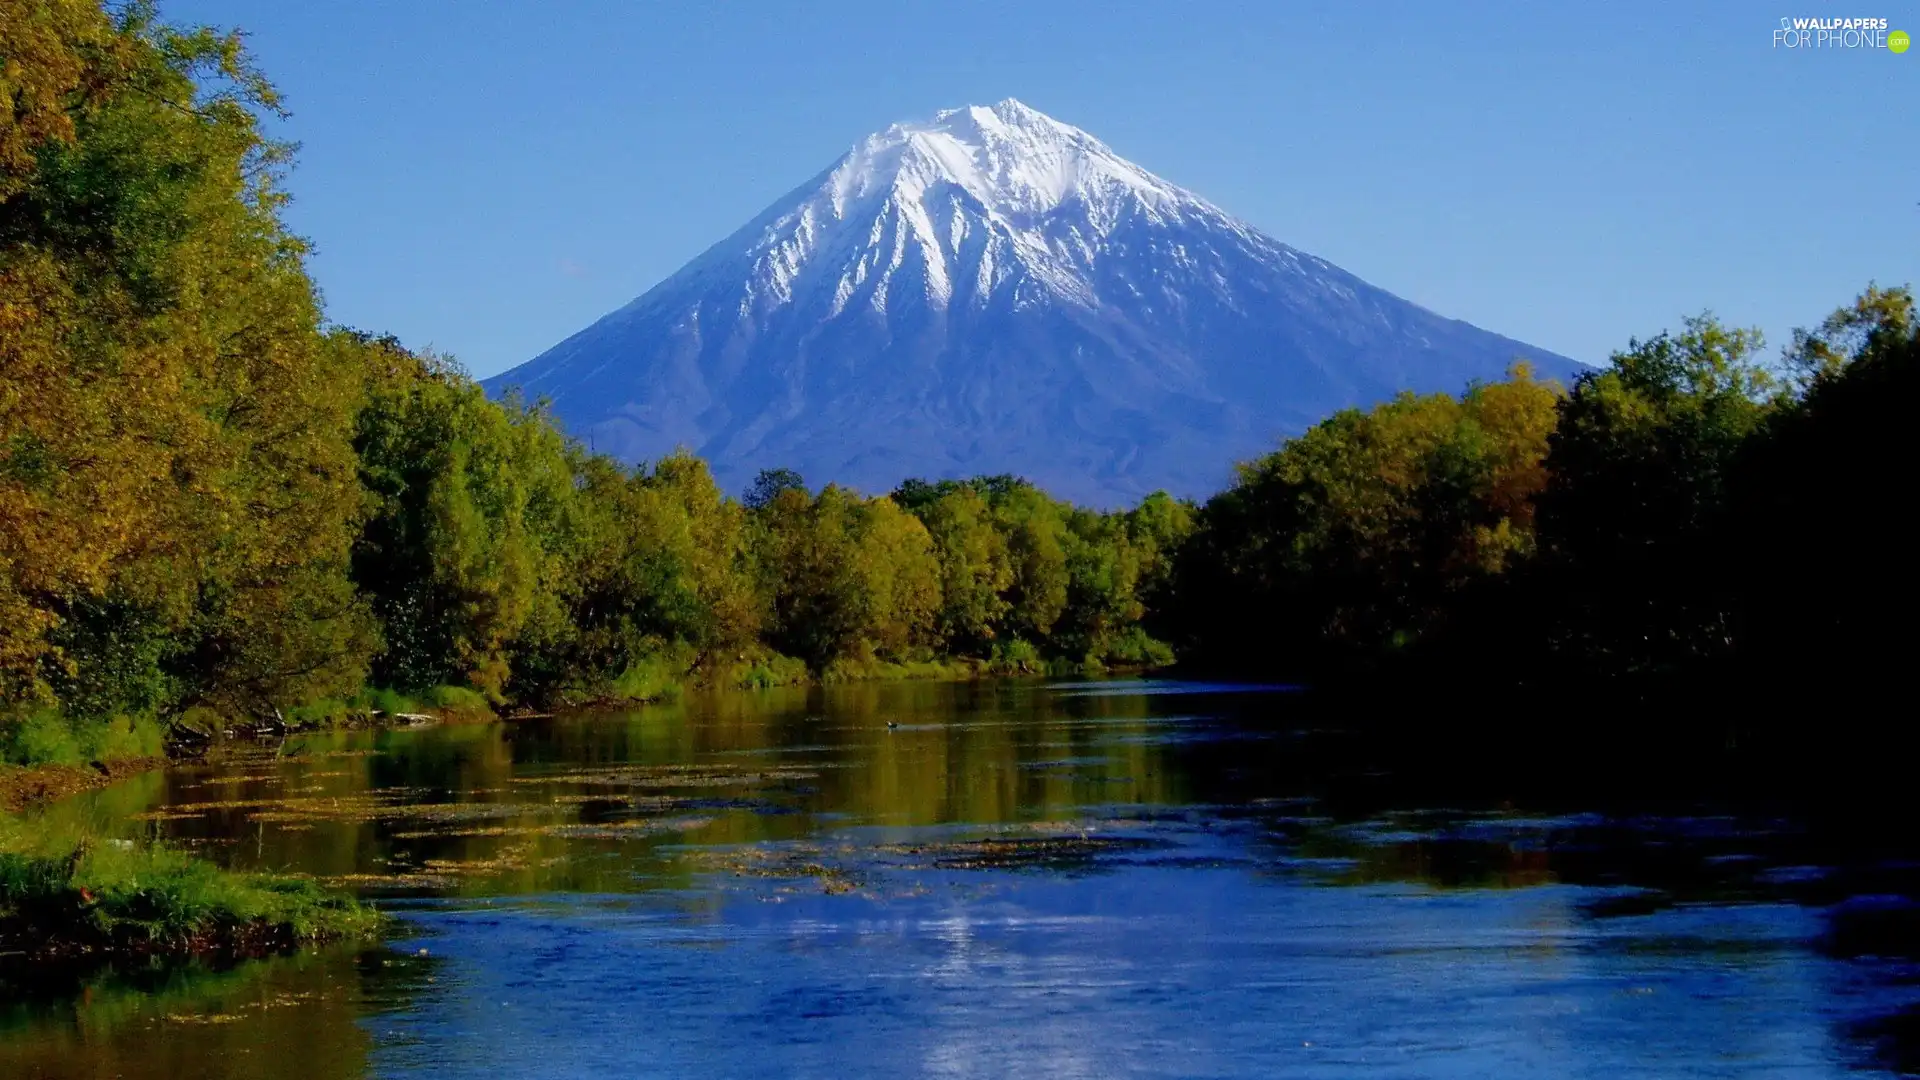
1688	549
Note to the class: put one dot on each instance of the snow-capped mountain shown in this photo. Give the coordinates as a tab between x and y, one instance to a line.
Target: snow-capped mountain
996	291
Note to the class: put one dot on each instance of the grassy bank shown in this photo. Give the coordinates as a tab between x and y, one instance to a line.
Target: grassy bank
84	901
668	678
375	706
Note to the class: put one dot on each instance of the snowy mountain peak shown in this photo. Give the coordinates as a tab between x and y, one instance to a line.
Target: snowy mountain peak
991	290
1014	160
979	202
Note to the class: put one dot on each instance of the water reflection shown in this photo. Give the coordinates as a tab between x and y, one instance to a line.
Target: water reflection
297	1018
603	803
984	879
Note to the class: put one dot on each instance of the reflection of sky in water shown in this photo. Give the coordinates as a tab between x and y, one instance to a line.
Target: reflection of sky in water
1144	971
994	879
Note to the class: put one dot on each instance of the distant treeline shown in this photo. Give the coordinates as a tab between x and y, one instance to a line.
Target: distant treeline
211	499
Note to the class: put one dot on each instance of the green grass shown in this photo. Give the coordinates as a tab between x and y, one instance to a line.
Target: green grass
47	737
61	894
1015	657
456	699
765	672
334	712
930	668
651	678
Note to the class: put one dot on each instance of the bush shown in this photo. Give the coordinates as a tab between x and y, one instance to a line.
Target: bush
765	672
650	678
93	891
46	737
1135	648
1015	657
455	699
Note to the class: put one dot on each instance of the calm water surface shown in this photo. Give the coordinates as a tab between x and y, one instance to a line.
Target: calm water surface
1067	880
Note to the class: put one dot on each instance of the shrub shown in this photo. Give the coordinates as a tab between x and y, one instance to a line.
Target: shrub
455	699
1015	657
151	896
46	737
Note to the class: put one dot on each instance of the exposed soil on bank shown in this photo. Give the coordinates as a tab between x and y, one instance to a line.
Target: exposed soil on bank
31	949
21	788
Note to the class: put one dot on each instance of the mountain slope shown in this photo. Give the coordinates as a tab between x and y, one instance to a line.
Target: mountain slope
995	291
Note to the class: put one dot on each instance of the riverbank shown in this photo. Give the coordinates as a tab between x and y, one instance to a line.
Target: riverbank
22	787
82	902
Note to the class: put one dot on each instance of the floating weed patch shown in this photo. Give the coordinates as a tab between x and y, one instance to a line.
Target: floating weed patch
360	811
168	815
239	1012
204	1018
1017	853
672	776
389	805
511	860
638	802
457	834
235	781
798	862
389	882
623	829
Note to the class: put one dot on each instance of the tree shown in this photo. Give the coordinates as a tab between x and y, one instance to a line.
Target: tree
1356	538
848	579
474	505
1817	530
976	569
1639	466
176	482
770	484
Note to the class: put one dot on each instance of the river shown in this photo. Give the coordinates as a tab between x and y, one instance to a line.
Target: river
1109	879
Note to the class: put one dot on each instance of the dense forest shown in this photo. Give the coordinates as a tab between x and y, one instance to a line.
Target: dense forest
214	503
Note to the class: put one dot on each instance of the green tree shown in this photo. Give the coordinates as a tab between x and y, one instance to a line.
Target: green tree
176	479
1824	578
1639	466
474	507
848	579
976	570
1356	538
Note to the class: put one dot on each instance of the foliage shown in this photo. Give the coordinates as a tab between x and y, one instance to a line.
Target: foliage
176	496
1687	521
1354	538
1822	580
846	578
81	890
1640	462
658	568
212	504
472	510
45	736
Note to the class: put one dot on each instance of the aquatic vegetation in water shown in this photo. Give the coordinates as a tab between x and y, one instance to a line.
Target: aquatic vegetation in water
1019	852
671	776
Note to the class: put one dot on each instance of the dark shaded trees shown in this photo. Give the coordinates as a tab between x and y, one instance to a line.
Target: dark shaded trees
1631	518
1824	583
1354	539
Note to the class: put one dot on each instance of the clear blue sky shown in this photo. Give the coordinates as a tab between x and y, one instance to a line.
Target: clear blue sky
488	178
